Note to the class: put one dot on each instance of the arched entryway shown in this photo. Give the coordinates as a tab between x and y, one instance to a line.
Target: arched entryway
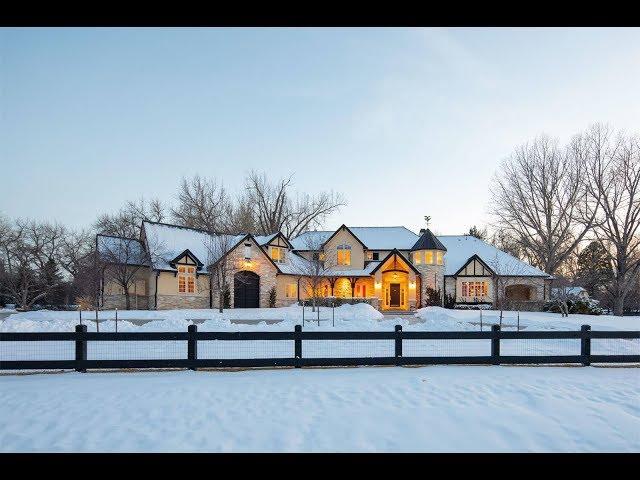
518	292
246	290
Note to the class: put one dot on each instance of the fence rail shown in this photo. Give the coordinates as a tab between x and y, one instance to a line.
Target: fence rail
383	348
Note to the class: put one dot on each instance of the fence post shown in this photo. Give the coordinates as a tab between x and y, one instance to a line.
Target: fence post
495	344
116	320
398	341
585	345
333	314
297	338
480	319
518	320
192	345
303	303
81	347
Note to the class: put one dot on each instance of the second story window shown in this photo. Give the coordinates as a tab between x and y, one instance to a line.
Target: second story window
417	258
344	254
428	257
439	257
277	254
186	279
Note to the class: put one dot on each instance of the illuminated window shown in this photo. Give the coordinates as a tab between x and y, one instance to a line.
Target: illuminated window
344	254
428	257
292	290
475	289
439	257
277	254
186	279
369	255
417	258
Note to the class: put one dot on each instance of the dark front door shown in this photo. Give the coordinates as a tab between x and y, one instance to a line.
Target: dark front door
394	294
246	290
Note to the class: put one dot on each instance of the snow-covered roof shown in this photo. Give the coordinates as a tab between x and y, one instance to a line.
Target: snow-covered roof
264	239
375	238
310	240
462	247
121	250
166	242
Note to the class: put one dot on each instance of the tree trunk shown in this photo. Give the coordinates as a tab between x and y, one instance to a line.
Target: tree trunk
127	299
221	301
618	305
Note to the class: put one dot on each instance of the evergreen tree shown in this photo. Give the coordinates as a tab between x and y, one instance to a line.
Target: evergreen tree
478	233
594	268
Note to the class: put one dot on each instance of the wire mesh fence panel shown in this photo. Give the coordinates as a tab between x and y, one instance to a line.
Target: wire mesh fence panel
37	350
446	348
137	350
540	347
615	346
245	349
347	348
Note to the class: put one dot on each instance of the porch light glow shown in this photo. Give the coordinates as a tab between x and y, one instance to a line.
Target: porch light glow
412	284
247	264
378	285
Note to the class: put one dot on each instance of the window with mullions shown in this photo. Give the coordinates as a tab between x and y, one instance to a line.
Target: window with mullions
344	254
186	279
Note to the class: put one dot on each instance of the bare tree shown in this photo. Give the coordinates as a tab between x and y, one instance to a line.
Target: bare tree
318	270
613	185
28	261
202	203
506	272
275	209
120	260
75	247
219	265
538	196
127	221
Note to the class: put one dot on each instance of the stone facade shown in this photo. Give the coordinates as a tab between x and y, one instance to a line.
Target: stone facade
432	276
119	301
174	302
259	263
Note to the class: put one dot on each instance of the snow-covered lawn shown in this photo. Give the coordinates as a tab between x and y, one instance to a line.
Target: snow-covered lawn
359	317
435	409
347	317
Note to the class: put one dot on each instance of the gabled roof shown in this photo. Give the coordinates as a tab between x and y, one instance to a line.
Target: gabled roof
186	253
428	241
263	240
166	242
471	259
389	255
373	238
460	248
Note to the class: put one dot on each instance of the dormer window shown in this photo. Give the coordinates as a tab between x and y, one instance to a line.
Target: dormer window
277	254
247	251
344	254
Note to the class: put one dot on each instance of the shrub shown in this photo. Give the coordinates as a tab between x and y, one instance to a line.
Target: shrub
226	297
433	298
575	305
272	297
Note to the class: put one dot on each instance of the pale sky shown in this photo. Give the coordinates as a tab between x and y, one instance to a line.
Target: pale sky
404	122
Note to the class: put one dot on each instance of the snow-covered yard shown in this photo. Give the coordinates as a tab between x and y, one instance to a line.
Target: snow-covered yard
359	317
347	317
434	409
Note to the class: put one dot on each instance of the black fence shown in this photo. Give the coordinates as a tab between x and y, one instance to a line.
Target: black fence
306	349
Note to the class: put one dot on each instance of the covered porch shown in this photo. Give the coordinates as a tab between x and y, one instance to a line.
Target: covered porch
397	283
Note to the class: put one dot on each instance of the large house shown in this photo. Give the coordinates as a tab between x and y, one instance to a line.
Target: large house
393	268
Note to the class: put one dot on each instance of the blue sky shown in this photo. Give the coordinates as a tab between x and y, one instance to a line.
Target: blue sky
404	122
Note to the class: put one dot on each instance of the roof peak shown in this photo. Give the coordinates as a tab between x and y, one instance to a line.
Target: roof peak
428	241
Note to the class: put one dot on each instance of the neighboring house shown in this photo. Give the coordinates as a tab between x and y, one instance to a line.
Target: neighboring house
391	267
575	292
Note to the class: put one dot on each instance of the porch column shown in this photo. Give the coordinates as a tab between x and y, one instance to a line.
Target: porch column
353	281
